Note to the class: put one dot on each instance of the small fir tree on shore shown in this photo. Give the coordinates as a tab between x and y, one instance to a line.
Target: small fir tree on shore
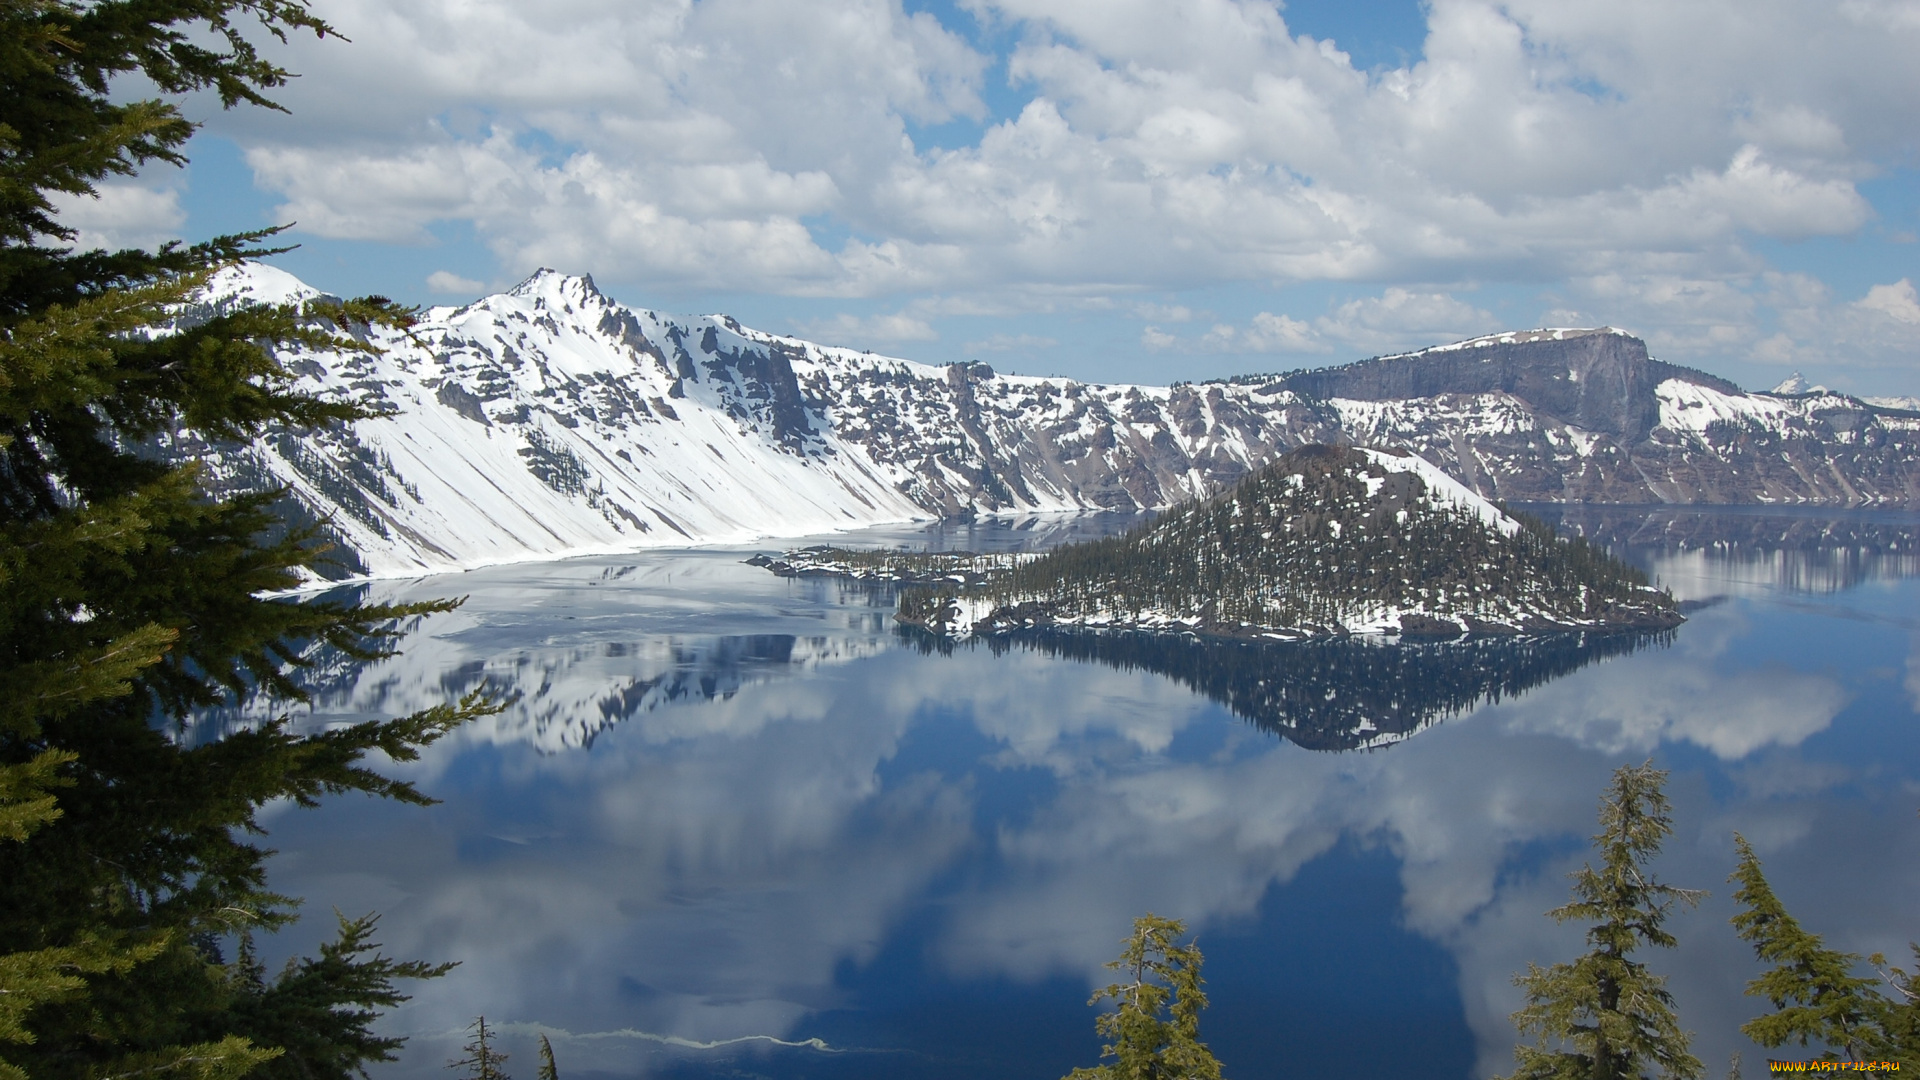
1155	1025
1605	1016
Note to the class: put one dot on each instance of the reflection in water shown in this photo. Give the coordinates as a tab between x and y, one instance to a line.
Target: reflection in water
560	698
733	807
1722	550
1338	694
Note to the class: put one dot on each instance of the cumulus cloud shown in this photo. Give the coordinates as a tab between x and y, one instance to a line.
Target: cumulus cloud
447	282
1896	302
120	216
1161	144
1264	333
1819	333
1397	319
853	330
1012	343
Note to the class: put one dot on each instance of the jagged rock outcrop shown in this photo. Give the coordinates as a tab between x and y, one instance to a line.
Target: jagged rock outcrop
551	420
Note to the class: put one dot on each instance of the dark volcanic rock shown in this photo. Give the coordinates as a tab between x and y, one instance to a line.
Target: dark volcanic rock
1600	380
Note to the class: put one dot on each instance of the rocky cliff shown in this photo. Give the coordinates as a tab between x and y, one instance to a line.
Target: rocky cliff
552	420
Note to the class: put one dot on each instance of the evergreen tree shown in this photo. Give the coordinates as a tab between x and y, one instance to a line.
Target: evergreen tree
1817	999
1155	1025
548	1070
1898	1034
129	596
480	1060
1605	1016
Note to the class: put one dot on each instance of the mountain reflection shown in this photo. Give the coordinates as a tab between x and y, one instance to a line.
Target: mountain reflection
1334	694
1740	548
560	698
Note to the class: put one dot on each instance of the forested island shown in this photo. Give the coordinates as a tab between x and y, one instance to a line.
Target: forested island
1326	541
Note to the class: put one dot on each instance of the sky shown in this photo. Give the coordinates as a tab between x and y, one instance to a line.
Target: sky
1113	190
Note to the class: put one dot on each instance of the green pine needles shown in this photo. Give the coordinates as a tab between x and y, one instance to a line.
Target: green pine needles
1605	1016
1322	539
131	596
1817	998
478	1059
1155	1024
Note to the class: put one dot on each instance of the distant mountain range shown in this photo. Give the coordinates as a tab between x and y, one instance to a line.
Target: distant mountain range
550	420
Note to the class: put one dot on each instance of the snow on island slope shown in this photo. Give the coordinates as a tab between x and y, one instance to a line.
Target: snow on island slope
1326	541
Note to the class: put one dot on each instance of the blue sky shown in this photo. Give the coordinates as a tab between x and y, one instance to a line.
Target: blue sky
1116	190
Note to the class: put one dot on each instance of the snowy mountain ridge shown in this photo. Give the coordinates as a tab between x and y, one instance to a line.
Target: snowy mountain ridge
550	420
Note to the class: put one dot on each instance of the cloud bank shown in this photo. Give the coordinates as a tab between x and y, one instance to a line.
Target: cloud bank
1627	156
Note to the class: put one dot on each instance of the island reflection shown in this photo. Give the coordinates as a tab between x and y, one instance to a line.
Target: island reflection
1330	694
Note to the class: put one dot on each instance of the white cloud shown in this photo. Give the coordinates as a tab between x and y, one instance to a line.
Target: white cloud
1825	338
1166	143
443	281
1400	319
1156	339
1395	320
1012	343
1159	313
120	216
1897	302
853	331
1265	333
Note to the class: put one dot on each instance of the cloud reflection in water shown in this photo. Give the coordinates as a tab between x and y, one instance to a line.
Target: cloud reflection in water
761	815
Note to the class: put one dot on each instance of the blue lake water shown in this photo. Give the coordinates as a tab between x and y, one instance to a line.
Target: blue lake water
738	825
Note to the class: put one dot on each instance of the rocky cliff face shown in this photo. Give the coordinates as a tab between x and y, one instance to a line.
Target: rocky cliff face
1585	416
551	420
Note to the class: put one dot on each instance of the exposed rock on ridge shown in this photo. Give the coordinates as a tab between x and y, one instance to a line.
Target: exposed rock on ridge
551	420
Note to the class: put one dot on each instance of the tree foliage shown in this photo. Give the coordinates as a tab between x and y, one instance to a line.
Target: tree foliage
1155	1023
478	1059
1605	1016
129	596
1319	539
1818	999
548	1069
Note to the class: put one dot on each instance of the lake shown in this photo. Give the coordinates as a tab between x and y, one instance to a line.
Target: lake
739	826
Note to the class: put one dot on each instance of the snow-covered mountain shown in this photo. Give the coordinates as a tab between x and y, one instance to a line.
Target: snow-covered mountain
551	420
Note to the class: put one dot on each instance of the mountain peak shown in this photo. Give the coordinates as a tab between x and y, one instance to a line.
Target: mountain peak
255	283
1796	384
548	283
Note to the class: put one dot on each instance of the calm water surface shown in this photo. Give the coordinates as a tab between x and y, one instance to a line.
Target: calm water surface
739	826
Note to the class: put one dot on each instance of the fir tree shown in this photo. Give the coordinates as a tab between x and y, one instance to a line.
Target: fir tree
1898	1035
129	596
1817	1000
1155	1025
548	1070
1605	1016
1816	997
478	1058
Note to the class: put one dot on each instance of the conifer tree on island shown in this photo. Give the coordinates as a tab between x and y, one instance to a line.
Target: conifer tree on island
1155	1025
1605	1016
129	596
